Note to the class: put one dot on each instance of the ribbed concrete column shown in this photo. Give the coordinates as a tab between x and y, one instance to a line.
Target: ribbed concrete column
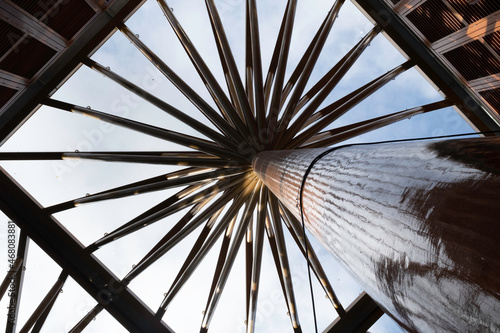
416	224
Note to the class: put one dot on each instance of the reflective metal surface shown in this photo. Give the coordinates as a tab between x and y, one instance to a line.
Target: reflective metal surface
417	224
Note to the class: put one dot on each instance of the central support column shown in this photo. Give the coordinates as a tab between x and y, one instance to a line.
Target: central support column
416	224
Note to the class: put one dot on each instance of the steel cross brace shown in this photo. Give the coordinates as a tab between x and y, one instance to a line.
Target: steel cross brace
70	254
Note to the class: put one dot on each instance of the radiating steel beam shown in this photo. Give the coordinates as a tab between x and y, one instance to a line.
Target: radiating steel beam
47	302
254	54
18	110
433	68
82	324
415	223
206	75
284	264
340	134
215	233
11	273
305	74
185	88
70	254
273	65
151	157
227	58
279	79
169	206
162	105
163	246
257	260
176	137
303	242
225	268
324	117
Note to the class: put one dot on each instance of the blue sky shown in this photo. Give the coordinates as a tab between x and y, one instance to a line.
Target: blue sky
53	182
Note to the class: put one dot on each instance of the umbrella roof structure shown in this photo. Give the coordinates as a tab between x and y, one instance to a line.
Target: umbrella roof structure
208	192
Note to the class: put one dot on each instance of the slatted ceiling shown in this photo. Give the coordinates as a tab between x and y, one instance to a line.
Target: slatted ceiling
64	20
6	94
29	59
472	13
494	41
480	64
434	20
8	37
473	61
34	7
493	98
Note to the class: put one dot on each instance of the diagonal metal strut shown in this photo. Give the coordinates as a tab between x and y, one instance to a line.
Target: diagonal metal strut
83	267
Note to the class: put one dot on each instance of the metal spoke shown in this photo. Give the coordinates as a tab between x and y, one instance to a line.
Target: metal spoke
297	233
219	283
170	206
175	137
256	62
15	297
11	273
165	244
46	302
197	101
162	105
207	245
249	79
182	229
271	73
172	175
126	156
164	184
249	243
257	260
300	66
227	58
229	82
206	75
340	134
308	68
219	266
326	84
276	256
211	221
82	324
274	108
329	114
283	262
